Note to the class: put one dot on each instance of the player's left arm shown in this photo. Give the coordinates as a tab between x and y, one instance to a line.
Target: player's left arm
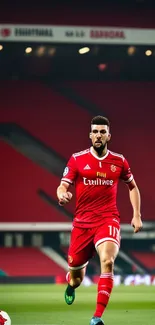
134	195
135	200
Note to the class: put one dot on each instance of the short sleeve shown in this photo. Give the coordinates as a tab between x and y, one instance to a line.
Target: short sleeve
70	171
126	174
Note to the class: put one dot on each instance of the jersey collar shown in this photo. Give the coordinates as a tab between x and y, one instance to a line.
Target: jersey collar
102	158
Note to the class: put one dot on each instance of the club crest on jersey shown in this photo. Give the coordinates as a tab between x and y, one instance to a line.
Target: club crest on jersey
70	259
113	168
66	170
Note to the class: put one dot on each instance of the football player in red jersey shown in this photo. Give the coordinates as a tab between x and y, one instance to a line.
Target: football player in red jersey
95	172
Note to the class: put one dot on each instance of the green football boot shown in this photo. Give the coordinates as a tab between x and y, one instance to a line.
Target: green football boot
69	295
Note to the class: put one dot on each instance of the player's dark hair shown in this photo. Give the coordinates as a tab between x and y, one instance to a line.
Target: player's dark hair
100	120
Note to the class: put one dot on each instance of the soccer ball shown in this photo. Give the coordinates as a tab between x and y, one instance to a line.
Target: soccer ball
4	318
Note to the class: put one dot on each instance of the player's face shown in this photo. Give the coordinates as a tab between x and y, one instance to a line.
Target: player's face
99	136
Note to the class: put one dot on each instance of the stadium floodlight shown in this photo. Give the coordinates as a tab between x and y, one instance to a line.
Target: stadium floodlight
148	52
131	50
28	50
1	47
41	50
84	50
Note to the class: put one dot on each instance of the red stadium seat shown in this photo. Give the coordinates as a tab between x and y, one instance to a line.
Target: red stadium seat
20	180
145	258
46	114
28	262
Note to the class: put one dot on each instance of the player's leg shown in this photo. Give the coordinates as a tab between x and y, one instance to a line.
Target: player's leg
80	251
107	247
74	279
107	253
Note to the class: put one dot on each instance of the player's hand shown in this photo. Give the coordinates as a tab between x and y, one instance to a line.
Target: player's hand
65	198
136	222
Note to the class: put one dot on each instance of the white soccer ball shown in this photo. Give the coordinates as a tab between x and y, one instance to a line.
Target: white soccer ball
4	318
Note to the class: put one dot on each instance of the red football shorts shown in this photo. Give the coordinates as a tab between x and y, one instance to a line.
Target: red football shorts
84	241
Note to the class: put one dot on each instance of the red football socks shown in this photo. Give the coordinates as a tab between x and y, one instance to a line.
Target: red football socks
105	286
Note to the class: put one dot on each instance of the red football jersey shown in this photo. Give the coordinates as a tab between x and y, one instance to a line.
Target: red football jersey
96	180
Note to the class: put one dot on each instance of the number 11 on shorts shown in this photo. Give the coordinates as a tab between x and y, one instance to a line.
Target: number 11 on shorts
113	232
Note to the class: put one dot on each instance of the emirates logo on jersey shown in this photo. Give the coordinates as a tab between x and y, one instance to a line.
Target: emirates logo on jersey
97	181
113	168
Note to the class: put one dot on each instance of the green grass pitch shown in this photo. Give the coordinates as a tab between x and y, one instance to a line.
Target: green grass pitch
45	305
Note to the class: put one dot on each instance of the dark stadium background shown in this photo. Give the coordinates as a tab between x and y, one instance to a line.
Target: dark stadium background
48	97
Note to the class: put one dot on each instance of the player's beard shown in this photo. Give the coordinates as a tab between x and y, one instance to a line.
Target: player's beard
100	149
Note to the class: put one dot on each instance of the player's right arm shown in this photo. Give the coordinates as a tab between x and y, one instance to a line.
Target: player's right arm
63	195
69	176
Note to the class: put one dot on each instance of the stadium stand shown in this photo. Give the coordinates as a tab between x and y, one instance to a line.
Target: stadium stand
28	261
147	259
46	115
36	108
20	181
